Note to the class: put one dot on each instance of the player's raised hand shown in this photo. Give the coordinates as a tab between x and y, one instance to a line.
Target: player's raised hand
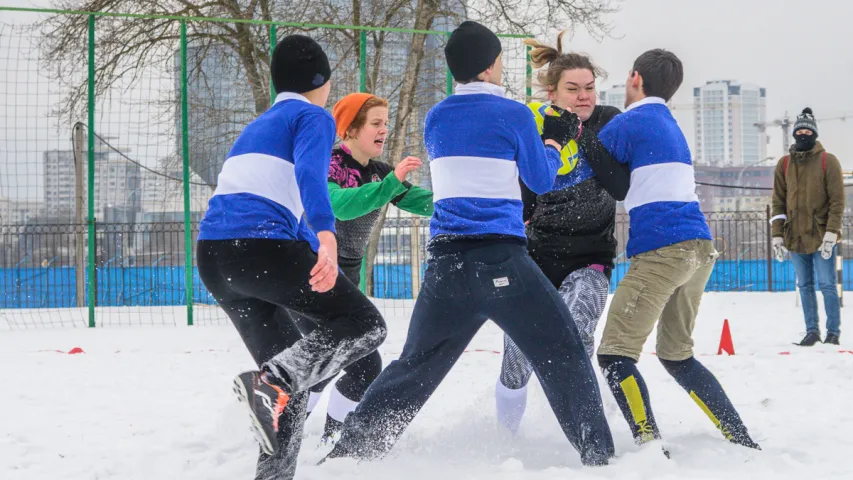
406	166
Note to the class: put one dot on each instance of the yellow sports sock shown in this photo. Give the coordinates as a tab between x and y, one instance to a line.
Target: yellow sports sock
711	415
638	408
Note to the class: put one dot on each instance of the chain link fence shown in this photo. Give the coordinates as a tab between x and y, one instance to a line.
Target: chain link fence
107	163
108	159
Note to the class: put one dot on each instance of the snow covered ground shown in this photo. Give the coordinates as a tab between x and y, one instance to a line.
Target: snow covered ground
155	403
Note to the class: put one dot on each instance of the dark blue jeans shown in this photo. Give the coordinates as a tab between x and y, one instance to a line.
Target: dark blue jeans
809	266
466	283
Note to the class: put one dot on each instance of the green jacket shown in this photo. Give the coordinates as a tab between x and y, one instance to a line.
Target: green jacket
358	192
808	200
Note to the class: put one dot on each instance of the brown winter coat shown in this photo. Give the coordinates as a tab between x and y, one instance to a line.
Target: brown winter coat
811	200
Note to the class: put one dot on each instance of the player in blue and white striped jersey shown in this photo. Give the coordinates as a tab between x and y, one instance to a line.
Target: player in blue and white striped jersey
479	144
672	256
267	246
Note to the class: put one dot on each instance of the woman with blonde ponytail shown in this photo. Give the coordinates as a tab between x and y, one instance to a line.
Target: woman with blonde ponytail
570	229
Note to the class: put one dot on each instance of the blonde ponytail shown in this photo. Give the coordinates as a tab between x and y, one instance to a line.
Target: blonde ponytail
557	61
541	54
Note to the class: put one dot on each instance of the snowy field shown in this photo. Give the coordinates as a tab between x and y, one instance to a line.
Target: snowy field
156	403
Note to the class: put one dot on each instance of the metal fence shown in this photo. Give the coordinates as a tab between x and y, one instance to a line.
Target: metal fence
114	128
746	262
144	265
743	239
109	153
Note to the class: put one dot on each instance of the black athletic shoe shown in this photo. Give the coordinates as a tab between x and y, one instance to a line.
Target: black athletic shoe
809	340
266	403
331	432
831	339
744	440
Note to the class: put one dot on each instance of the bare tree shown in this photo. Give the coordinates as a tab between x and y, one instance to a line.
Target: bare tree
395	64
425	13
507	16
129	51
538	17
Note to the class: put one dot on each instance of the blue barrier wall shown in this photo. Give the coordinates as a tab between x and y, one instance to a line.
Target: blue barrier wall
116	287
164	286
745	276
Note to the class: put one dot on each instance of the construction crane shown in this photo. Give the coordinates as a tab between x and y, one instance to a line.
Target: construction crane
786	123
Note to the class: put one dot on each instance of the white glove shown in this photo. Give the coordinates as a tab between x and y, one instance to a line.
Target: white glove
779	249
829	240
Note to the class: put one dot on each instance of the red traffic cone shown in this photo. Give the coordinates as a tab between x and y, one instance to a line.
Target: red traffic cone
726	344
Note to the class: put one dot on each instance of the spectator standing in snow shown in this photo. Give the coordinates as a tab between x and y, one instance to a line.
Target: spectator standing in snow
808	203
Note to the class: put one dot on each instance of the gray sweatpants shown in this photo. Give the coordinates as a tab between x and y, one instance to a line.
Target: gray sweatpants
585	293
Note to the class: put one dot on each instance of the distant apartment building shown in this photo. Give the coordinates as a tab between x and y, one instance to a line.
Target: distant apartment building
720	196
725	116
613	96
117	185
19	212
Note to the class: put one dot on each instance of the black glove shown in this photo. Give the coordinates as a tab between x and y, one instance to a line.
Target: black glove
563	128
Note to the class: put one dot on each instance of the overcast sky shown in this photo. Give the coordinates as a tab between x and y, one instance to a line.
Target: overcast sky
798	50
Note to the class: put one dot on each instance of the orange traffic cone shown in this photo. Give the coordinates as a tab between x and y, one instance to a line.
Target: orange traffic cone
726	344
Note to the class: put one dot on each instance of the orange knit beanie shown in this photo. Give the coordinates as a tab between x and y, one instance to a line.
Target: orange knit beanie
346	110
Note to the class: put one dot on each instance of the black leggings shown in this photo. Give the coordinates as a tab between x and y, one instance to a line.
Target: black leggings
255	280
361	373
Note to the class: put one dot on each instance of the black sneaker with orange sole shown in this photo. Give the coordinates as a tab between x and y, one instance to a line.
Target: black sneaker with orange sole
266	402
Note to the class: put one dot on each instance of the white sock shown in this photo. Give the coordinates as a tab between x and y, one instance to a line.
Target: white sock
313	398
510	406
339	405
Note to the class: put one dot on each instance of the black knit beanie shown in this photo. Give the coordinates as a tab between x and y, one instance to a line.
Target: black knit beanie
471	49
299	65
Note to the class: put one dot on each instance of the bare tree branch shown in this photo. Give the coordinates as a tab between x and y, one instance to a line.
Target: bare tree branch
424	17
228	63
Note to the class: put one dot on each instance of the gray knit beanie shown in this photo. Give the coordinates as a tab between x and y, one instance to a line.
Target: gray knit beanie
806	120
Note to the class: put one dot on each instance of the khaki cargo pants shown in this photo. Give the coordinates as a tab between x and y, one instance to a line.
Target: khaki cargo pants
665	284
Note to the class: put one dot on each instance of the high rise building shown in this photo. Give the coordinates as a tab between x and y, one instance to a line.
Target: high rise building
726	114
18	212
117	185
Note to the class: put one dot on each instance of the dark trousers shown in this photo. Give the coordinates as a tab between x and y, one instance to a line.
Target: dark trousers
359	374
254	280
466	283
